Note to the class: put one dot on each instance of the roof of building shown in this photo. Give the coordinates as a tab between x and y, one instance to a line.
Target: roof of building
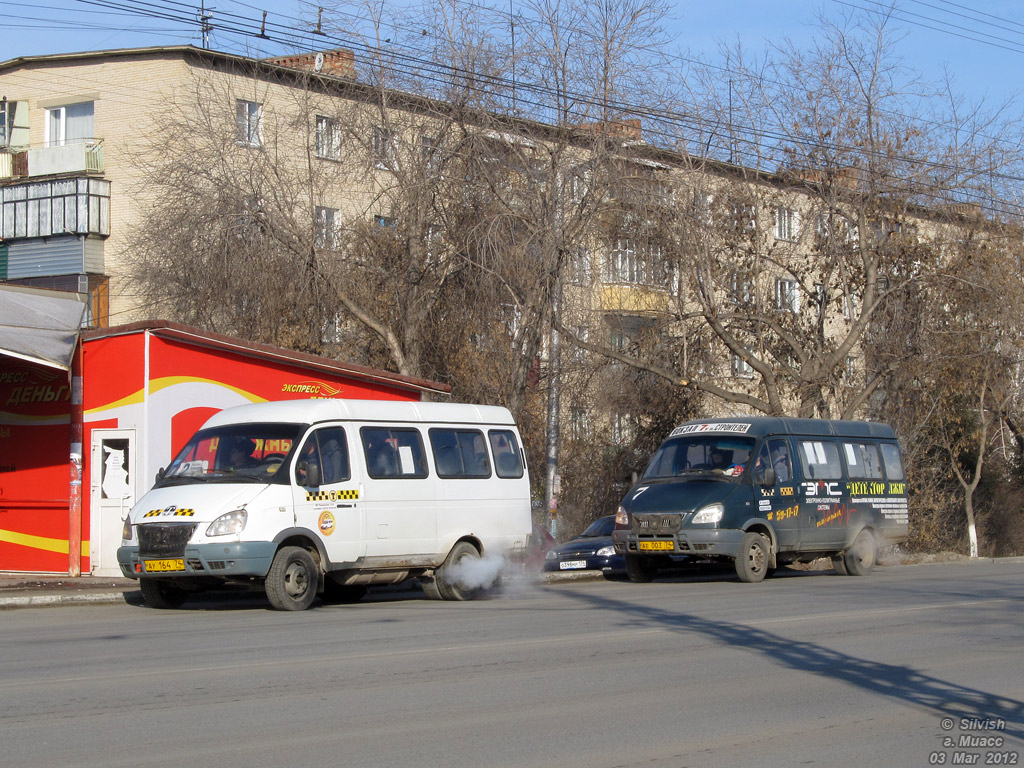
39	326
184	333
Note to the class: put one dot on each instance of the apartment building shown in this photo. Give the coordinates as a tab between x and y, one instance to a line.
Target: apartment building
72	128
666	242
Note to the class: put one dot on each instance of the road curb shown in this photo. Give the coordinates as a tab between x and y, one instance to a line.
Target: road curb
42	601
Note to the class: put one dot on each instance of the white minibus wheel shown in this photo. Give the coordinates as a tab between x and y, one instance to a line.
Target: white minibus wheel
450	583
162	593
292	581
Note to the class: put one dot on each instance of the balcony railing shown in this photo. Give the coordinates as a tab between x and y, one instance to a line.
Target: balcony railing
80	157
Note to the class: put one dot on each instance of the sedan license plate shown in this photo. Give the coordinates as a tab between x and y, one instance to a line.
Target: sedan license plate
570	565
163	566
660	546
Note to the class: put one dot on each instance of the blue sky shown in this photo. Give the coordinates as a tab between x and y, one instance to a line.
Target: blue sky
980	42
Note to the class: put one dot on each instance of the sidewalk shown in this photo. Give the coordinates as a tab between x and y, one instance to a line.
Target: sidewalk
29	590
33	590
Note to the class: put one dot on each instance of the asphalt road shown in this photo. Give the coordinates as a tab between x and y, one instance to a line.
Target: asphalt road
805	669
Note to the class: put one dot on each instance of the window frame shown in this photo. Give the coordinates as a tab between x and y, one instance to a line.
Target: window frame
513	447
60	114
829	452
327	137
460	434
248	123
384	148
417	453
787	295
325	220
787	224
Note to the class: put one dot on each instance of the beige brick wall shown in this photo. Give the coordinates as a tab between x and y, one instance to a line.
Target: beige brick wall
132	94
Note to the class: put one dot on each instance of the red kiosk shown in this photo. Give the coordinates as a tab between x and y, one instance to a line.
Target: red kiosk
88	421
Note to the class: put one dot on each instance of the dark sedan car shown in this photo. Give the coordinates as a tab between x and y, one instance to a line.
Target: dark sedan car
591	550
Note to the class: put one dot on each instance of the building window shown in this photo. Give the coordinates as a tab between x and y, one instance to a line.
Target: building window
383	148
740	288
430	155
331	330
786	224
6	121
741	368
640	265
579	267
581	424
623	430
744	218
581	182
326	227
850	372
579	353
69	124
249	123
622	265
787	295
703	204
820	295
387	222
328	138
618	340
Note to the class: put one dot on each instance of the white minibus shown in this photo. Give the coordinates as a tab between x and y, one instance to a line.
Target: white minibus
309	497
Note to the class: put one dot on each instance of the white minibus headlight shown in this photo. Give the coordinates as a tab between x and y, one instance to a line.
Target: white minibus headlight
126	531
709	514
621	517
227	524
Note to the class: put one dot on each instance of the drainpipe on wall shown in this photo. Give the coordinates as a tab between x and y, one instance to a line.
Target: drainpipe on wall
75	496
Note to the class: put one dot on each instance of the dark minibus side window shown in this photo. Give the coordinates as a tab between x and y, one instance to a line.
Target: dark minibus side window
459	453
507	458
819	460
393	452
862	461
893	461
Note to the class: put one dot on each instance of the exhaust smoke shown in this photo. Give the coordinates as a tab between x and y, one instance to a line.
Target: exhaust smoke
494	572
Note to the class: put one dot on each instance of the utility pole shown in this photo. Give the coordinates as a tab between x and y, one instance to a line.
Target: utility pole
205	27
552	487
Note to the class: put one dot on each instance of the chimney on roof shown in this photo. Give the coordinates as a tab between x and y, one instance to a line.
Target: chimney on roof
339	62
626	129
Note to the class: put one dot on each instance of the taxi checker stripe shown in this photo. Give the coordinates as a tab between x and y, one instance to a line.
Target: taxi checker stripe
332	495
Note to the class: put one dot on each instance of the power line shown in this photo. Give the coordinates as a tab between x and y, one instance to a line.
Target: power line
442	75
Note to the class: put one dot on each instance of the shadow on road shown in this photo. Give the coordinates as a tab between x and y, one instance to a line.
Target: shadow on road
894	681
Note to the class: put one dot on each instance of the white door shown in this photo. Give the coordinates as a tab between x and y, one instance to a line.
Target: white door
112	489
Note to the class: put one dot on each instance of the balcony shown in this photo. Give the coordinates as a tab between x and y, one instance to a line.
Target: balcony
80	157
55	207
635	299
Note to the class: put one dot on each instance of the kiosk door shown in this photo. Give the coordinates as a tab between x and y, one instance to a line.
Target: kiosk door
113	490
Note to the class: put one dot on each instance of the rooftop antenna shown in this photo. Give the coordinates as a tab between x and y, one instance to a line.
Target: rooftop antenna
319	22
263	27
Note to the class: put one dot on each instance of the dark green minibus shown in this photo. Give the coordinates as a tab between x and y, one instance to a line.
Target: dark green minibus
765	492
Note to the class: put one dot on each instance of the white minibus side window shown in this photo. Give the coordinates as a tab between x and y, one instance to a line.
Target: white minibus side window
862	461
393	452
459	453
893	461
327	450
507	458
819	460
